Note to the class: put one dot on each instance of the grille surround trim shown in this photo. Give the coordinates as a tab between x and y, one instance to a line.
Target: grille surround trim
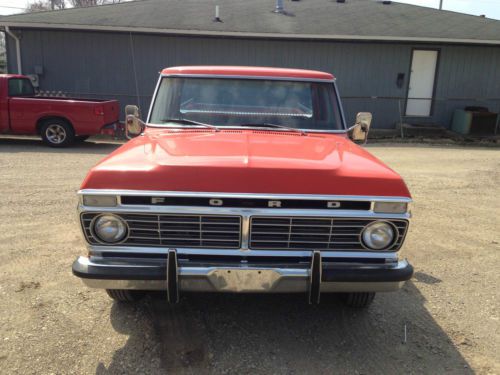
166	193
245	214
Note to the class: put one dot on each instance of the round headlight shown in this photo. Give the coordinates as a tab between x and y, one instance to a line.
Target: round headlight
110	228
378	235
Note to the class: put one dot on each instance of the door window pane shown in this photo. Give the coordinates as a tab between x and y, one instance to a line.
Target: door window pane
20	87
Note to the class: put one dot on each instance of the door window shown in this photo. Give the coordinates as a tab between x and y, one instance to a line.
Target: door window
20	87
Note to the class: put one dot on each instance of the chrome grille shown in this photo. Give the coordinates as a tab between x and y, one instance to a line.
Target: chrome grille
306	233
197	231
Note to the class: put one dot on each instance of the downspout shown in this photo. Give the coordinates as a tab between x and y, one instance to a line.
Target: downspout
18	49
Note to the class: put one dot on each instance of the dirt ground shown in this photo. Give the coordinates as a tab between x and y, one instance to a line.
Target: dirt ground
51	323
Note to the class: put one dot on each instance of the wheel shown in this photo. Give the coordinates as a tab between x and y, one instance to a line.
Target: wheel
57	133
125	295
81	138
358	300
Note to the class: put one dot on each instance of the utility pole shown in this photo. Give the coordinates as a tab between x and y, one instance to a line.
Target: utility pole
440	4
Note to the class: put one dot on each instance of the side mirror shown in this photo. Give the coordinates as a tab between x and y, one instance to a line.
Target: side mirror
359	131
133	124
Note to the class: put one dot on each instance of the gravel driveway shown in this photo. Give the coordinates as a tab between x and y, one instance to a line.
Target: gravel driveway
51	323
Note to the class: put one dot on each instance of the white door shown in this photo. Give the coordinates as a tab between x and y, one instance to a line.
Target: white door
420	91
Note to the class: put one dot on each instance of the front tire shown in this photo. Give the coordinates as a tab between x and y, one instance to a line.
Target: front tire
57	133
125	295
358	300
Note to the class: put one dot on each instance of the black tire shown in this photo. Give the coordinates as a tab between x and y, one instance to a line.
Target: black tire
124	295
57	133
358	300
81	138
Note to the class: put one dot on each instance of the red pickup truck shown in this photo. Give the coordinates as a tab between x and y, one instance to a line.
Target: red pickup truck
244	180
59	121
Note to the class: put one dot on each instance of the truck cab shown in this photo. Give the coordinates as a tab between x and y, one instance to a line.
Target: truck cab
244	180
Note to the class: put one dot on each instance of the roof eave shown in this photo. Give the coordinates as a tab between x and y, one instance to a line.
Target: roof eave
148	30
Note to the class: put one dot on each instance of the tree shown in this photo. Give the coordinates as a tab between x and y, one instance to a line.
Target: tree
90	3
85	3
3	54
42	5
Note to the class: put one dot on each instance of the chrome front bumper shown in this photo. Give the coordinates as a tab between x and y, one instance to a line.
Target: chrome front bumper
238	277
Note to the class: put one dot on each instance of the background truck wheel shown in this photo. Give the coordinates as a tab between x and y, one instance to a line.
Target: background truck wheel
124	295
358	300
81	138
57	133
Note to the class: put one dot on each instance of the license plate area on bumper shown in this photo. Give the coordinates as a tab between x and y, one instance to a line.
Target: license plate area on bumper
244	280
234	279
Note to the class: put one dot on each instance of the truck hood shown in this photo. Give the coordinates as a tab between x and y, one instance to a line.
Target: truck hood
245	161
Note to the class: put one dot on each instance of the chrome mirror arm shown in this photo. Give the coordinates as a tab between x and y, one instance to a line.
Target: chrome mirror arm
350	129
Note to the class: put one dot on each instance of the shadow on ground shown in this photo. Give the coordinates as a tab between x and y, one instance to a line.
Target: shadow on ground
422	144
33	145
105	145
282	334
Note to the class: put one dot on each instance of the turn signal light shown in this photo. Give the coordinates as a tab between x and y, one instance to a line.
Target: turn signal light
390	207
99	200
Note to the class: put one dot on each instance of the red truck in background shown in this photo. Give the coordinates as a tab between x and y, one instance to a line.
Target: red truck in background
59	121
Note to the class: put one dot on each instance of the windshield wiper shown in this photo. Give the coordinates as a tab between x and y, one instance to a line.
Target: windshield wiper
269	125
190	122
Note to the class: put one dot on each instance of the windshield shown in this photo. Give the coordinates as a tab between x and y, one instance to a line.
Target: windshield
247	102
